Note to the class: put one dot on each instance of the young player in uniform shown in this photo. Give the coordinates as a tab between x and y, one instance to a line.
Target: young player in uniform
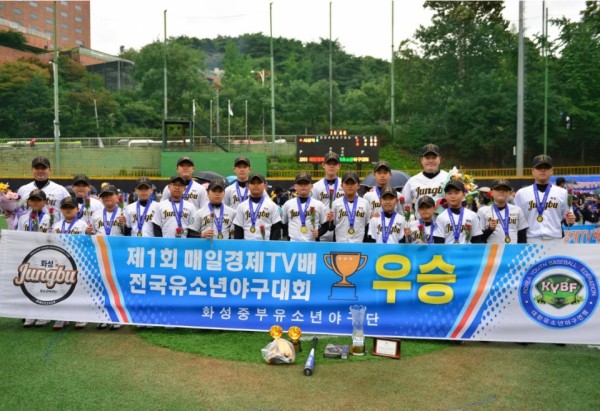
36	219
174	216
329	188
382	173
237	192
87	205
110	220
426	210
457	225
544	205
139	214
194	192
302	216
502	223
214	220
430	181
257	218
387	227
351	213
40	167
69	224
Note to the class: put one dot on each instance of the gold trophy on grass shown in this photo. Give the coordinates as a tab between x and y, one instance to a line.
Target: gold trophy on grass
294	333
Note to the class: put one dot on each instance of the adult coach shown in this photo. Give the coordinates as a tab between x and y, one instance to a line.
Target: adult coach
428	182
544	205
40	168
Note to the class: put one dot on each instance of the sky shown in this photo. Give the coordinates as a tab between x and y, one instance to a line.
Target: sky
362	27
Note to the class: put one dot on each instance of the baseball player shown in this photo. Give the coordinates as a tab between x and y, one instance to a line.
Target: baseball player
303	215
87	205
430	181
110	220
387	227
329	188
194	192
37	218
174	216
382	173
544	205
502	223
238	191
40	167
257	218
214	220
351	213
456	225
426	222
139	214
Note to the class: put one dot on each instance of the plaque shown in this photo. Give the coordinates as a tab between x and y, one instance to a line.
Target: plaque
386	347
303	229
540	218
252	229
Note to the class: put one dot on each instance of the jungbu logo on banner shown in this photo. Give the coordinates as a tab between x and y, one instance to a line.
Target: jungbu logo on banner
47	275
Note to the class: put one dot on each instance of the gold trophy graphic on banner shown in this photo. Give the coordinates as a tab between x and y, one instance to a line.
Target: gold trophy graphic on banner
344	265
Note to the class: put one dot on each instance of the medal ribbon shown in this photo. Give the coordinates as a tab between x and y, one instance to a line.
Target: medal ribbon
239	193
430	238
107	225
69	228
541	206
503	222
177	213
456	227
351	216
254	214
141	219
385	231
217	220
81	211
187	190
302	212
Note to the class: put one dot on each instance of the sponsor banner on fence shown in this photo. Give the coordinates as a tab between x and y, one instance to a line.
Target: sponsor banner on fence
516	292
582	234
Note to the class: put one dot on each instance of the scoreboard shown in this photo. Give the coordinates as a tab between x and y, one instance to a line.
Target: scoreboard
350	148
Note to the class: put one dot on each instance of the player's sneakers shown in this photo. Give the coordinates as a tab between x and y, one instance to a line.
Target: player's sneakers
41	323
102	326
115	326
80	324
59	325
29	322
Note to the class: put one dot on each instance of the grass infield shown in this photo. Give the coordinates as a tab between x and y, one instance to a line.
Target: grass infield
176	370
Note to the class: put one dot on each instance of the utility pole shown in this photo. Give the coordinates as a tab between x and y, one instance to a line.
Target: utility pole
56	106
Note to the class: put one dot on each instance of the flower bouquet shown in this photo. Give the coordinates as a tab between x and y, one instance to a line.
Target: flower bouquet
10	202
471	192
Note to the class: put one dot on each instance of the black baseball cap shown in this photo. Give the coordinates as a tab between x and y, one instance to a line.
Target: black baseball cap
81	178
350	176
69	202
37	193
177	179
425	201
143	181
430	149
303	176
501	183
185	159
40	161
216	183
108	189
540	160
454	183
389	191
331	156
560	180
240	160
382	164
257	175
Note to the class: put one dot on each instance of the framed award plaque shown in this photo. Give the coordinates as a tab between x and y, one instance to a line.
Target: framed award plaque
386	347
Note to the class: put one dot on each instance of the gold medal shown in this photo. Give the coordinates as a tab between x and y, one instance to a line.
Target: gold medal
139	234
252	229
220	236
540	218
507	240
351	231
303	229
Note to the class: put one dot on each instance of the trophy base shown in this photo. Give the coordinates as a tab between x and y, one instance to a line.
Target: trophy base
343	293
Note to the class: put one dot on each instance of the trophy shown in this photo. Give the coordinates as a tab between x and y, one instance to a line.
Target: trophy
276	331
358	333
344	265
294	332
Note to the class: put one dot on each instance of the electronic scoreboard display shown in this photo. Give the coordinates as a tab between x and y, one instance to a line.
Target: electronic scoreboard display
351	148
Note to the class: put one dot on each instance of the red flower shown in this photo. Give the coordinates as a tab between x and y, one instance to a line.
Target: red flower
488	195
421	227
179	230
401	199
406	208
33	215
570	191
262	231
442	202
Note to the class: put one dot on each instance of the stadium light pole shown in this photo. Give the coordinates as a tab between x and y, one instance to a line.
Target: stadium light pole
330	73
56	107
272	80
521	91
392	94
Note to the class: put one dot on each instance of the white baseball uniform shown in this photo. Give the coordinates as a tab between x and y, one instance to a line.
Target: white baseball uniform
25	223
205	219
54	193
266	215
291	217
555	209
102	220
420	185
394	230
443	226
76	226
84	214
194	192
165	217
137	215
344	233
516	222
